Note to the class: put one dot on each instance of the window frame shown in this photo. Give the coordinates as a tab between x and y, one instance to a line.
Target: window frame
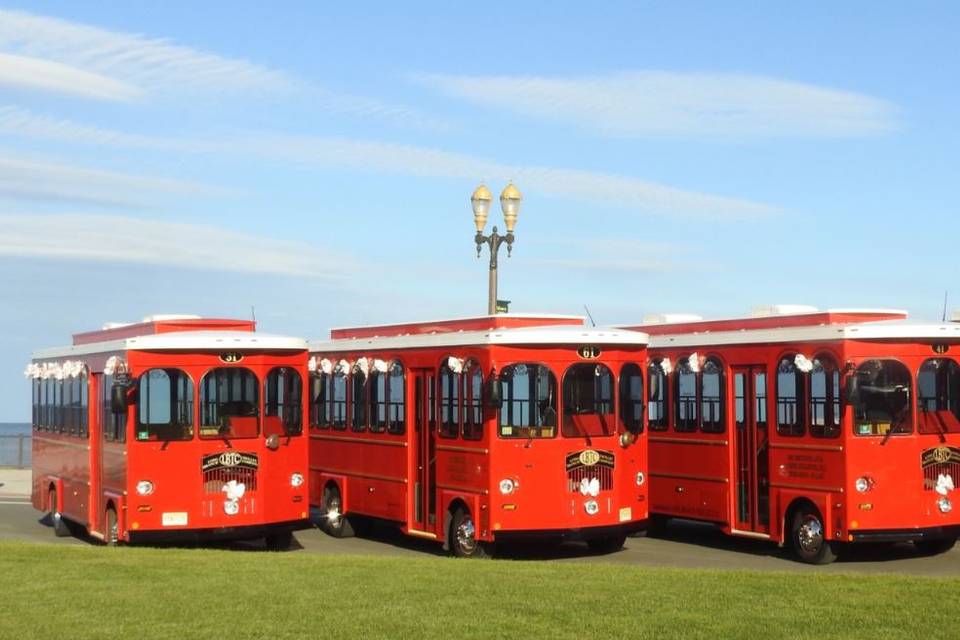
720	402
798	427
827	365
203	402
506	409
687	424
662	422
627	404
188	430
285	407
953	371
597	400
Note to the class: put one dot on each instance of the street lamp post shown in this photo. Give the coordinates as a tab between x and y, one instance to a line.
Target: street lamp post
510	203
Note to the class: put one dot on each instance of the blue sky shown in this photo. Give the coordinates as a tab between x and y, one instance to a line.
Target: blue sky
315	160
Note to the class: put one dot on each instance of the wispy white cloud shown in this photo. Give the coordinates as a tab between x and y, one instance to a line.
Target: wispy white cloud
643	103
23	178
119	239
618	255
45	75
643	196
67	56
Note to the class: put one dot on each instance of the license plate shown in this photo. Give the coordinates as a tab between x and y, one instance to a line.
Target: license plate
626	513
174	519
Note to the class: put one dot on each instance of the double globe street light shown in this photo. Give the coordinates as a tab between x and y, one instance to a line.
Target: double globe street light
510	203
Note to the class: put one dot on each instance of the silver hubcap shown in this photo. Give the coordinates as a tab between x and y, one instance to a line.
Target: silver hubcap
112	529
466	535
810	535
334	517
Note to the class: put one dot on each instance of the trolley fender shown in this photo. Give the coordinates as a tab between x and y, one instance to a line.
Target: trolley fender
790	498
448	499
120	505
341	482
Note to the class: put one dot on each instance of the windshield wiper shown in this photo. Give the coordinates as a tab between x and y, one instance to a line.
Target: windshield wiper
894	426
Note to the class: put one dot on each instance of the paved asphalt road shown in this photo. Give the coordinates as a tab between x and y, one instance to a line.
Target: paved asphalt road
682	545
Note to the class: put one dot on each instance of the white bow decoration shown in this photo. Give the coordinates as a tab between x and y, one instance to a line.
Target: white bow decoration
694	362
343	367
666	366
944	484
455	364
33	371
381	365
234	490
590	487
312	364
326	366
114	365
804	365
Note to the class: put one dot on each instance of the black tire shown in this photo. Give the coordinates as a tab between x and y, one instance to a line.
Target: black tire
809	539
607	544
656	526
279	541
111	531
462	540
61	527
934	547
332	519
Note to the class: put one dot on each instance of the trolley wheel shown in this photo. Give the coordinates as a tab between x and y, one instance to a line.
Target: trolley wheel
279	541
809	538
60	527
934	547
333	521
607	544
111	533
463	536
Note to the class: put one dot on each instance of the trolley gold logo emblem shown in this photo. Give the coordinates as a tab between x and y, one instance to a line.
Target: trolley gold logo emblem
940	455
589	458
229	460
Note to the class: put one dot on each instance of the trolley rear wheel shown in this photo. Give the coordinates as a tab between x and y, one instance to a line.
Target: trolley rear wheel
111	532
333	521
279	541
934	547
607	544
60	527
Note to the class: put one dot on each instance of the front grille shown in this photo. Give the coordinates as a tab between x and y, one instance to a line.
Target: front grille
932	472
939	461
214	479
601	473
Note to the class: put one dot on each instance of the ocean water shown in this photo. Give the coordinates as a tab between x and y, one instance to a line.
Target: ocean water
10	443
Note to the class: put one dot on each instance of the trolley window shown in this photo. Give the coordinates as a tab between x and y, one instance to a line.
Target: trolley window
229	404
320	385
711	397
472	401
789	398
824	399
529	408
165	405
631	397
449	401
938	388
686	396
282	410
588	401
396	411
881	399
338	400
359	407
114	424
658	418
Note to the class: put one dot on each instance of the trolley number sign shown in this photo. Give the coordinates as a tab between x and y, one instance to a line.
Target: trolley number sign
231	357
589	352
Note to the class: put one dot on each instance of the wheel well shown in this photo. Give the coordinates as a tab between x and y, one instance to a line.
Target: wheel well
51	489
795	506
331	484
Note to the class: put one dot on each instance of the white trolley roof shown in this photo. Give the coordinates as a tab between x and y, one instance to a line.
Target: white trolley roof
182	341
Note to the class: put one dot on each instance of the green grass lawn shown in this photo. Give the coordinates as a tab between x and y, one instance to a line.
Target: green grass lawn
49	591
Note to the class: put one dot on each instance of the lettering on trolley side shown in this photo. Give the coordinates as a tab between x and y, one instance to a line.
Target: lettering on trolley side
807	466
589	458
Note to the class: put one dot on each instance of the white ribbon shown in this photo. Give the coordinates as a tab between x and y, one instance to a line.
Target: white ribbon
312	364
666	366
33	371
694	362
944	484
803	363
455	364
326	366
590	487
381	365
363	366
343	367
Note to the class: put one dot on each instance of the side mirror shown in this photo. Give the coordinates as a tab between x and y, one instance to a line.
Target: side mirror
852	389
492	396
118	398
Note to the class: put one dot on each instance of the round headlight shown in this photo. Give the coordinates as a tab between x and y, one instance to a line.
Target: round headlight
945	505
231	507
591	507
144	488
507	486
863	484
640	478
296	480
